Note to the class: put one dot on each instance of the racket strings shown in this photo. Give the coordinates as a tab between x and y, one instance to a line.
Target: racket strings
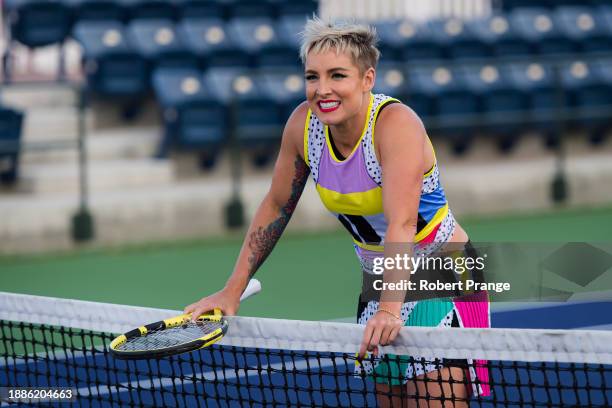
170	337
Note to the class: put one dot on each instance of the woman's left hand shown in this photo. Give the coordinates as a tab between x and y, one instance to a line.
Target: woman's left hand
381	329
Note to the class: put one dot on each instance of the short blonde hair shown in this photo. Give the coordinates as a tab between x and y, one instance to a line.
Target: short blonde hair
355	39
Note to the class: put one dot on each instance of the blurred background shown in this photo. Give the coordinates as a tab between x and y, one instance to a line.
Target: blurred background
137	137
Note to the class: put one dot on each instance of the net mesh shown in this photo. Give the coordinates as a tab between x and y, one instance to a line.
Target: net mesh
46	342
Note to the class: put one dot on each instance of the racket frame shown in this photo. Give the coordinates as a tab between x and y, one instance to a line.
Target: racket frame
204	341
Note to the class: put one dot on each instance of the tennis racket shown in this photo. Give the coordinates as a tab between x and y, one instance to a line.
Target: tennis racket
175	335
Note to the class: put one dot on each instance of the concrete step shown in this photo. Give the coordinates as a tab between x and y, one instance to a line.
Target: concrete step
26	96
110	144
103	175
192	208
52	124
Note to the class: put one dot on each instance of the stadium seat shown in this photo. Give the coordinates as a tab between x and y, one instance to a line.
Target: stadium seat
585	27
155	9
537	26
258	38
193	118
408	42
285	86
497	33
249	9
37	23
210	41
513	4
590	94
453	104
458	39
111	65
203	9
302	8
503	106
105	10
256	119
391	80
289	28
10	135
538	82
158	43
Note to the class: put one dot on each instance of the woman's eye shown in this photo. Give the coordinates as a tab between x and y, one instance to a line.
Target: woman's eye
310	77
338	76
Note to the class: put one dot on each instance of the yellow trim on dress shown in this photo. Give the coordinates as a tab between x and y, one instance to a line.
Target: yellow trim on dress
363	132
387	101
437	219
359	203
369	247
306	125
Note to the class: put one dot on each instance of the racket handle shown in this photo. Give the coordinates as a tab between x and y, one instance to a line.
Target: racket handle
253	288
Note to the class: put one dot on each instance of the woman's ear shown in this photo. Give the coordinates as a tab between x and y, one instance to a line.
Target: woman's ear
369	77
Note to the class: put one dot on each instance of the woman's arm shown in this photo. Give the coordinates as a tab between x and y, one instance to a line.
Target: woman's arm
271	218
400	138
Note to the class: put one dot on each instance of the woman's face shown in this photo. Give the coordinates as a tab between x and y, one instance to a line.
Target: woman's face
335	89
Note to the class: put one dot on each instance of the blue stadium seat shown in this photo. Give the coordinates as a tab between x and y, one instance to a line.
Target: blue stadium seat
210	41
302	8
503	106
458	39
105	10
285	86
589	92
258	38
391	80
451	101
408	42
193	118
10	135
203	9
289	28
497	32
585	27
158	43
513	4
257	121
36	23
537	81
536	26
249	9
155	9
111	65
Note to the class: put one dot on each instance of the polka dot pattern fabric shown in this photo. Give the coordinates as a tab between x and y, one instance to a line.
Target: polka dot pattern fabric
316	142
431	182
372	165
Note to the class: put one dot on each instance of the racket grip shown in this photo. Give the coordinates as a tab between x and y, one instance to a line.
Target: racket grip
253	288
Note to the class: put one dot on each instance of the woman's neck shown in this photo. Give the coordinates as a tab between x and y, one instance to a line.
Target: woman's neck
347	134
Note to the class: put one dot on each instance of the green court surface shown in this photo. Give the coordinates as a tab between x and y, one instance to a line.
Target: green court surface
309	276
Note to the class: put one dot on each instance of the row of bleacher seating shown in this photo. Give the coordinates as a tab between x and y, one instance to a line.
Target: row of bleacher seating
503	99
38	23
118	58
512	4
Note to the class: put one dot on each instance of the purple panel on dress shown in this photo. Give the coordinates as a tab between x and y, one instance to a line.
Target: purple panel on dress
348	176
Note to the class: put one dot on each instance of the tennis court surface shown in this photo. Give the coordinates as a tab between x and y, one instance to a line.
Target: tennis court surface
272	362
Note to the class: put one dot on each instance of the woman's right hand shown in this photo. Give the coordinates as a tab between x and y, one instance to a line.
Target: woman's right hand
227	302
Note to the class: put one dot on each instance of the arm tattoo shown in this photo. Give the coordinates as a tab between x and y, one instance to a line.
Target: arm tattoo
263	240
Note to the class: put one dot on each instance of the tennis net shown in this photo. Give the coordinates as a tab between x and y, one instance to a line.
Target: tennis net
50	342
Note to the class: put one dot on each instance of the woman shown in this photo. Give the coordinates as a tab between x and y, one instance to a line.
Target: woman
375	170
